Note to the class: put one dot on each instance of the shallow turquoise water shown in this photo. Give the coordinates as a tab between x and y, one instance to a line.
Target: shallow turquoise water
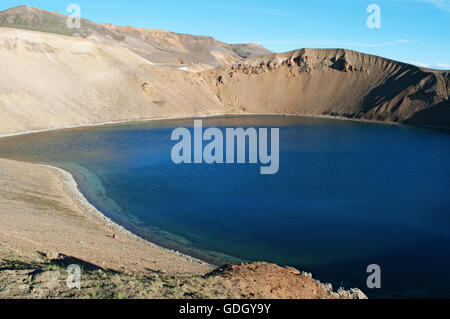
347	195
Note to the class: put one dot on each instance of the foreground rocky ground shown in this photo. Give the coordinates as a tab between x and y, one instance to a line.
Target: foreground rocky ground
44	277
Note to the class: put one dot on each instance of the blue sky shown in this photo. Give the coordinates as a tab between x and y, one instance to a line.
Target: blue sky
414	31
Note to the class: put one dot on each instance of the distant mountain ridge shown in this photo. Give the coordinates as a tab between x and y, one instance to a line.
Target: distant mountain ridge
157	46
55	77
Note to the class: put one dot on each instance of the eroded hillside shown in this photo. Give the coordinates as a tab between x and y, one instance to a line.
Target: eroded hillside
337	82
53	81
157	46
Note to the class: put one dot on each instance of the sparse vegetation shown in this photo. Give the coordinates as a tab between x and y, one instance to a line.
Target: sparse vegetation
27	18
21	277
159	102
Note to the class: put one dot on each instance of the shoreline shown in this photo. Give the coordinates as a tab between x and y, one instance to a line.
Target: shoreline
110	123
70	187
205	116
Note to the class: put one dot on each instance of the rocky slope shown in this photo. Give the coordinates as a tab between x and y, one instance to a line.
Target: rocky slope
53	81
334	82
40	278
157	46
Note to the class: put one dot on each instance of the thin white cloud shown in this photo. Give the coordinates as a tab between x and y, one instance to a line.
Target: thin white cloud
337	44
445	66
440	4
421	64
439	65
261	11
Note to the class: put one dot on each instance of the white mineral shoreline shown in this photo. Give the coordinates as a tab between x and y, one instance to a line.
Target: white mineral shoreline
193	116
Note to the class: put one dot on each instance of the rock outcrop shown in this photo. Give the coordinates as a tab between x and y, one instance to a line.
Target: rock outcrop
334	82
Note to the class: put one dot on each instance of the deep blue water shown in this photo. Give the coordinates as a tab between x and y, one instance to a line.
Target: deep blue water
347	195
